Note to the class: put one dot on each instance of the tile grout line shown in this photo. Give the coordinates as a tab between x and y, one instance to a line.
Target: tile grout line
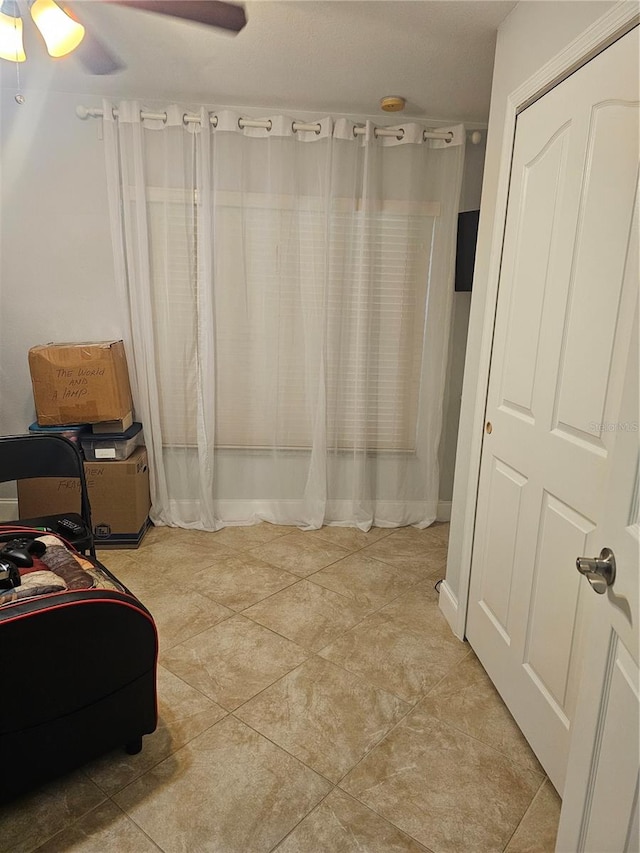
310	654
526	812
285	750
389	733
107	799
468	734
314	770
364	805
300	578
303	818
485	743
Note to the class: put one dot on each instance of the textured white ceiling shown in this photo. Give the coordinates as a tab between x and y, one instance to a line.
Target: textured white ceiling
336	56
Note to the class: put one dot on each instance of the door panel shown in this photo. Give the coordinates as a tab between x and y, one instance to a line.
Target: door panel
505	491
562	326
600	254
600	807
563	533
542	181
616	757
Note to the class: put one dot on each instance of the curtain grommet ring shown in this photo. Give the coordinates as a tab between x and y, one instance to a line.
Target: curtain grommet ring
400	134
293	127
449	139
353	130
164	118
185	123
240	124
213	120
317	130
270	125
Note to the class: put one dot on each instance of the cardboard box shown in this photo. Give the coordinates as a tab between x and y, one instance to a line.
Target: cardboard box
121	425
80	382
118	494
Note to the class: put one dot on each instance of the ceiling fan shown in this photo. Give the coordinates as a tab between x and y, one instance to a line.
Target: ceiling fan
64	33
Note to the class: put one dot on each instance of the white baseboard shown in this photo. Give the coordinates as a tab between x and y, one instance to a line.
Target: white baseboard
448	604
298	512
8	509
444	510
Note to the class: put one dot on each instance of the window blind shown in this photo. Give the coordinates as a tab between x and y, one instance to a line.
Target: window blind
305	303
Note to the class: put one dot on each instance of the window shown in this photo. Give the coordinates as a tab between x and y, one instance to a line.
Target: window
304	304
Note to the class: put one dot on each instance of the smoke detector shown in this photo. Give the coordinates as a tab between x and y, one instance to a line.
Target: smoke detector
392	103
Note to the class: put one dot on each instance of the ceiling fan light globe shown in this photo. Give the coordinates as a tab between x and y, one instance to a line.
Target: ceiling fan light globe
60	32
11	46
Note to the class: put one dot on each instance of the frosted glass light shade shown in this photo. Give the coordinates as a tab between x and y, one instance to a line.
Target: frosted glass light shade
60	32
11	46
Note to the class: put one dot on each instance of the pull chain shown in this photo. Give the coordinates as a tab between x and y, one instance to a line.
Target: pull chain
19	96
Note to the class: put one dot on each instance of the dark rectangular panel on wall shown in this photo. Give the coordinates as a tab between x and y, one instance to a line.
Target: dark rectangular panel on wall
466	248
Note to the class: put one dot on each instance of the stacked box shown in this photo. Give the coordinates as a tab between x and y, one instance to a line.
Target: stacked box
72	432
99	448
80	383
118	494
119	426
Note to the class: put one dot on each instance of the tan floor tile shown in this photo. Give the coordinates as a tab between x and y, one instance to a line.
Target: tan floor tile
33	818
299	554
181	553
122	565
178	613
308	614
415	610
405	648
412	549
143	578
241	537
241	580
178	609
424	537
183	713
539	827
441	530
350	538
467	700
341	824
207	783
115	559
158	532
366	581
228	790
233	661
448	791
324	715
106	828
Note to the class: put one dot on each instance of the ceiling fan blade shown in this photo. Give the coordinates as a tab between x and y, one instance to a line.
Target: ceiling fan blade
95	56
213	13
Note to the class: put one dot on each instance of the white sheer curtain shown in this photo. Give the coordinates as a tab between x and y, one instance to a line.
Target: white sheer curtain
287	305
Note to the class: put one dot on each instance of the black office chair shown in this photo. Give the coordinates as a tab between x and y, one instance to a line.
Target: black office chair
79	665
23	457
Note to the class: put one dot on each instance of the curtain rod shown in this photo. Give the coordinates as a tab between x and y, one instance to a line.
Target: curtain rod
93	112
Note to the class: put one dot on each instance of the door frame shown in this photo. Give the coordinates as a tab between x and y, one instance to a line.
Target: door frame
607	29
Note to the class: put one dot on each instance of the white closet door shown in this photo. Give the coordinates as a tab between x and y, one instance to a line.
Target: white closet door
563	328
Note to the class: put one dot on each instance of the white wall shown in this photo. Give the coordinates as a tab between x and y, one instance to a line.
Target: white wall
56	267
469	200
529	37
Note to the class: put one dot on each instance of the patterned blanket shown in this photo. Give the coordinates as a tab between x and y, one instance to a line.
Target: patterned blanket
59	569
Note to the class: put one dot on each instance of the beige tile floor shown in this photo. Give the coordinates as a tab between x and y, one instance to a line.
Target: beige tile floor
312	700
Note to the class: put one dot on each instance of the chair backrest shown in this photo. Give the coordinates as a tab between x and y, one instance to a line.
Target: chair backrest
25	456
